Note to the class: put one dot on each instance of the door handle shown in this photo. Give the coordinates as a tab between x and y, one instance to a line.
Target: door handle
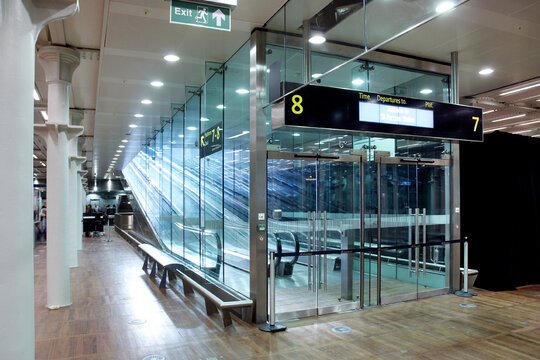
309	249
410	242
416	241
315	279
325	241
425	241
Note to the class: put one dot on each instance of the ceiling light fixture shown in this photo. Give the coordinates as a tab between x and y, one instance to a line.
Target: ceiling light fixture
488	112
121	146
296	134
133	126
181	136
138	115
518	90
509	118
171	58
523	131
146	101
317	39
242	91
204	119
528	123
42	163
44	115
221	107
34	155
118	151
191	128
36	95
486	71
357	81
444	7
426	91
156	83
124	141
316	76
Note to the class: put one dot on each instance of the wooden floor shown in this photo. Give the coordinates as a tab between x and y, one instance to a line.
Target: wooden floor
119	313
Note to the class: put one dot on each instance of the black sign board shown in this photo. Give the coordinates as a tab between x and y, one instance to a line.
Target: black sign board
331	108
211	141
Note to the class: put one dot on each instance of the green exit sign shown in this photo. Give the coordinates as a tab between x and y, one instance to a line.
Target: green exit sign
200	15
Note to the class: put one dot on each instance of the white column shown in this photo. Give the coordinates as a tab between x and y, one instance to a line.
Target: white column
19	26
59	63
73	215
81	204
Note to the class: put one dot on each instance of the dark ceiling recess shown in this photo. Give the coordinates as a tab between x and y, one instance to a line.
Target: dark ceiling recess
334	13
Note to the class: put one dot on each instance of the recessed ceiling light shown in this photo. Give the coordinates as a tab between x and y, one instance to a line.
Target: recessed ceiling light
124	141
36	95
121	146
317	39
316	76
242	91
204	119
488	112
538	100
221	107
171	58
146	101
34	155
509	118
486	71
156	83
181	135
138	115
132	126
42	163
426	91
191	128
296	134
444	6
520	89
118	151
44	115
357	81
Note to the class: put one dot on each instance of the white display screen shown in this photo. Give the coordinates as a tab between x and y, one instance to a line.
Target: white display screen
395	115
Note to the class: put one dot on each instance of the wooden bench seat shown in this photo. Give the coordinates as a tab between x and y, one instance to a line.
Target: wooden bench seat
167	262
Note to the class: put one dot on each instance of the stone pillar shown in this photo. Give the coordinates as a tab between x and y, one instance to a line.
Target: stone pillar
20	24
59	63
74	215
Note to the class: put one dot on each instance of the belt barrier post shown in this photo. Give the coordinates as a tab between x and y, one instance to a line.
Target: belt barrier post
465	292
271	325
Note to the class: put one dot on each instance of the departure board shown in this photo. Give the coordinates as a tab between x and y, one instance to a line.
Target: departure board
341	109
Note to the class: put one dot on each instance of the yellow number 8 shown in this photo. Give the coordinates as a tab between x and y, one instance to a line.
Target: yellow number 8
297	108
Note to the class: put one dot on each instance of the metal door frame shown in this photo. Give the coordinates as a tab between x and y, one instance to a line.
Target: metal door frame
359	157
383	157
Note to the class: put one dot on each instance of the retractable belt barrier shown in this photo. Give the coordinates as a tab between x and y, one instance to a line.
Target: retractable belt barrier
271	325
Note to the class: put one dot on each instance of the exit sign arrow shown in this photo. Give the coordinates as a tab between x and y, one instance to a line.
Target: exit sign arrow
218	16
200	14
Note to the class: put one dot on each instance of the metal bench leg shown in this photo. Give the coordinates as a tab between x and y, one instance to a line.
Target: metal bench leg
145	265
154	269
163	283
187	287
226	316
210	307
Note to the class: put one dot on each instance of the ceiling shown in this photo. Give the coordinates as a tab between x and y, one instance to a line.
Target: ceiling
122	44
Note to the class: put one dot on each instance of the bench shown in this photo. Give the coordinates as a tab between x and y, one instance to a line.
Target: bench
172	266
167	262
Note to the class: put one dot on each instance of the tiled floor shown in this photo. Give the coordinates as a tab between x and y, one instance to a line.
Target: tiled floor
118	313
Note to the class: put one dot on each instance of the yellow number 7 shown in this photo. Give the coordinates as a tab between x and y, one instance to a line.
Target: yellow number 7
476	124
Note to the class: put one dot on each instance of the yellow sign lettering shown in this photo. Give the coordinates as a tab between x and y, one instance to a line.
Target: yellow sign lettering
297	107
476	123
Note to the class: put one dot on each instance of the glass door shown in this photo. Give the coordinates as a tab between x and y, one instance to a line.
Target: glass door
315	203
413	209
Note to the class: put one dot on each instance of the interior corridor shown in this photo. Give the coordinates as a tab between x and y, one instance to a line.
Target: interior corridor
118	312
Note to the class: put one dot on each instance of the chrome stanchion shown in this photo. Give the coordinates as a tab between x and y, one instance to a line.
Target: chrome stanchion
109	225
271	325
465	292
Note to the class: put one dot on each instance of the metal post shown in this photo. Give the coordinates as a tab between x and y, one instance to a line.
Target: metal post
465	292
271	326
379	202
424	236
362	233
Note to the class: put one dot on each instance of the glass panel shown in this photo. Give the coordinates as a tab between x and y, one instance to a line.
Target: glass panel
192	181
165	217
398	220
212	109
339	198
177	170
236	172
292	188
